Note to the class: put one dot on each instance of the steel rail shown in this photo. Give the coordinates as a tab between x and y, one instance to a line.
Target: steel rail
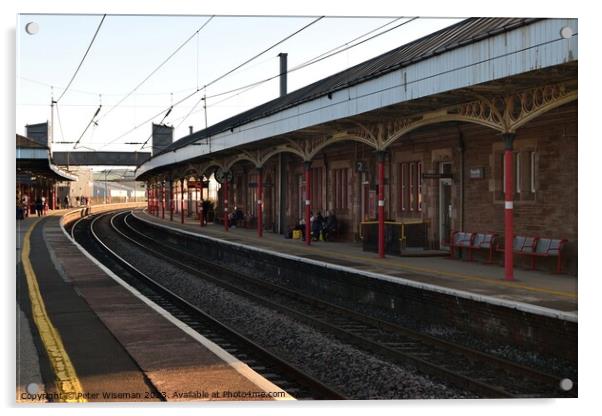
319	390
552	382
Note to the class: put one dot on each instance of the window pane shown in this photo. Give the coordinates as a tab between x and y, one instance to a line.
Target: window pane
532	171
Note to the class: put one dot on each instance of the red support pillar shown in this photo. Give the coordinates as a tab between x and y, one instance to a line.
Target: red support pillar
201	210
225	203
171	199
148	197
196	202
381	204
157	199
182	200
162	200
260	202
307	165
508	207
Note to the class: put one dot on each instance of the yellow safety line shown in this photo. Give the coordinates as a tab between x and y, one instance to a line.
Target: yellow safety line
437	272
68	384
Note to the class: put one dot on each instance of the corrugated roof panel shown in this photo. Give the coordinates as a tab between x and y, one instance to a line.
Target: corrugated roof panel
460	34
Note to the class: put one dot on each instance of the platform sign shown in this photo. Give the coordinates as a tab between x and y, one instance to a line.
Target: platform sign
476	173
437	175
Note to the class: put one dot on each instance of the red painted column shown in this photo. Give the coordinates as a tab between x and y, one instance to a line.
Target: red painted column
508	207
202	213
182	200
171	199
148	197
307	202
260	202
157	200
381	204
162	200
151	199
226	204
196	202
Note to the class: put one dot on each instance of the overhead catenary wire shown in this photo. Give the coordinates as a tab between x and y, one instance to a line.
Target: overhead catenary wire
248	87
58	117
305	63
264	51
157	68
83	58
204	98
92	121
310	62
214	80
161	122
106	95
149	119
351	41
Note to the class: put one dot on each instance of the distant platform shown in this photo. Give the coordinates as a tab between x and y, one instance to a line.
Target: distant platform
556	293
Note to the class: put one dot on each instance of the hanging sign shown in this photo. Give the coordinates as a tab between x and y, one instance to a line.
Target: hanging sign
436	175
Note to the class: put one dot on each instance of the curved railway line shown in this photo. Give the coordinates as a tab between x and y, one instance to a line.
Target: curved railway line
289	378
468	369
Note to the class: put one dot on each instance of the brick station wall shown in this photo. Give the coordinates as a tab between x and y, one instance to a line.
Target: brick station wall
549	212
419	307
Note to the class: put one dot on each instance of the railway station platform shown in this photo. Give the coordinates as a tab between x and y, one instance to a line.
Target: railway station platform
555	292
82	335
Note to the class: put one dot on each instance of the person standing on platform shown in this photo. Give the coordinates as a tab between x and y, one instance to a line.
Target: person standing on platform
39	207
316	226
25	205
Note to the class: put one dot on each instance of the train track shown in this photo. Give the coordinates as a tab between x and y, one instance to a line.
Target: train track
288	377
469	369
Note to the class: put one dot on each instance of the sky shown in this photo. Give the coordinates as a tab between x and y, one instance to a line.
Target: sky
128	48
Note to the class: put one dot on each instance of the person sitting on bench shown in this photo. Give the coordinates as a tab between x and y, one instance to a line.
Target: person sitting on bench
330	225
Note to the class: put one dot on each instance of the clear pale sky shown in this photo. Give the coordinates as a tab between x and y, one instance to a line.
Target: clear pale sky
128	48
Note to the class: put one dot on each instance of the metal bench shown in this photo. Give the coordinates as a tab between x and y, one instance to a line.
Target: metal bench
538	247
548	247
523	245
460	239
486	241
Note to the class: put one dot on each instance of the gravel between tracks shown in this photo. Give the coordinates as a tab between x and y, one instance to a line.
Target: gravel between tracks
355	373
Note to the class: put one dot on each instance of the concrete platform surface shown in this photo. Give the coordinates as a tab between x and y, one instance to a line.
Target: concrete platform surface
547	290
121	348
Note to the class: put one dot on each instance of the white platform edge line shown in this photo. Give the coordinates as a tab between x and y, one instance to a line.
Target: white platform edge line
240	367
521	306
